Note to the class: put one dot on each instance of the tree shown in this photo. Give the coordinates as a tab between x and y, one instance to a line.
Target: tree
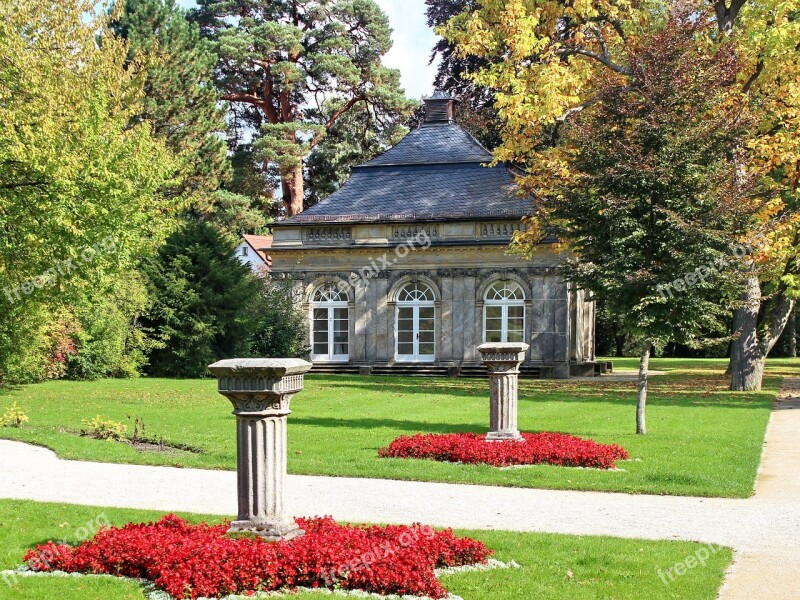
292	69
78	174
108	339
358	136
207	304
181	102
654	192
475	110
767	34
283	331
545	61
232	213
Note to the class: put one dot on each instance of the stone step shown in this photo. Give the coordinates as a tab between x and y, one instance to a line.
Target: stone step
471	371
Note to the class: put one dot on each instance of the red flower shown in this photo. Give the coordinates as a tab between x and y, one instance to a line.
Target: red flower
537	448
189	561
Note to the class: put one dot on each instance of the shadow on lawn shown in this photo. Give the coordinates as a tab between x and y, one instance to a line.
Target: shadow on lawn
401	425
688	392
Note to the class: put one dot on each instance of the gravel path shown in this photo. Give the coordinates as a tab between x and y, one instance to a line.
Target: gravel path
764	530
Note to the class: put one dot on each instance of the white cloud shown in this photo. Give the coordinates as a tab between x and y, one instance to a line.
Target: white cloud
413	41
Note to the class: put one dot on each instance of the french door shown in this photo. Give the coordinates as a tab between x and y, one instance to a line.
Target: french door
416	334
330	326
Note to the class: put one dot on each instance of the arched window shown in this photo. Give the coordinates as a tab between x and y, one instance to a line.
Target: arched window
330	325
504	313
415	324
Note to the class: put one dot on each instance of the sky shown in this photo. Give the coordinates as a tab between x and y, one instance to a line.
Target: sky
413	41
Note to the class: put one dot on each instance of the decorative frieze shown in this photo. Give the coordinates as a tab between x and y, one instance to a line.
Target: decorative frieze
395	274
503	229
327	234
412	231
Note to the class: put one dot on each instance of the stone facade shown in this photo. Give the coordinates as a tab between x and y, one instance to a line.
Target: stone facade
459	267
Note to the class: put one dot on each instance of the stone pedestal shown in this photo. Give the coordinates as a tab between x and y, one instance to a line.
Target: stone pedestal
260	390
503	361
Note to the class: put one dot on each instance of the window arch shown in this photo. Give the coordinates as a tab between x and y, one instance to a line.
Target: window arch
329	293
330	324
416	292
504	313
415	323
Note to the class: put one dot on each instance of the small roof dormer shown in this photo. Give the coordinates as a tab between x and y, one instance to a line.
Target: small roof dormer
440	108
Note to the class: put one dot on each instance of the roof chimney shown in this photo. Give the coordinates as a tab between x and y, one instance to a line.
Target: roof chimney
440	108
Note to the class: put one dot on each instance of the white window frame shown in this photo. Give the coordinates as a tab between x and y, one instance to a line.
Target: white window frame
415	305
504	304
331	306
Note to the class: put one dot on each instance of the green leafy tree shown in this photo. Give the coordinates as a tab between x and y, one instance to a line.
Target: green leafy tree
233	213
78	173
255	179
110	340
654	194
207	304
292	69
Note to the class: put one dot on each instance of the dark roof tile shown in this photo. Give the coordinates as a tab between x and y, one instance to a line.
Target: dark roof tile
437	172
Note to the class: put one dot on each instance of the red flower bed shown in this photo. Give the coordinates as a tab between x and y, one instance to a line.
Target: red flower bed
538	448
189	561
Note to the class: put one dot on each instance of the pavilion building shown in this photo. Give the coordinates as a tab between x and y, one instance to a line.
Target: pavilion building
406	268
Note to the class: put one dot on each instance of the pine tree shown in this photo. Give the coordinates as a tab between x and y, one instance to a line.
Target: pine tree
292	69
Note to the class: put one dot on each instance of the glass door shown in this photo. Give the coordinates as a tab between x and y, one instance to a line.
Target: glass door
416	333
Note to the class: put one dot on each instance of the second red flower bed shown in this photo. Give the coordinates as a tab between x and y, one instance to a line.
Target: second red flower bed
537	448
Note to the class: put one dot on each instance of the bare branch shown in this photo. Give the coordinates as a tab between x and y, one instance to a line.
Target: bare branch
335	117
726	15
754	76
604	60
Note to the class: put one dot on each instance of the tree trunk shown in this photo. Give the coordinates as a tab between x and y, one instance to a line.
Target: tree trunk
791	327
747	359
293	189
641	401
619	341
758	325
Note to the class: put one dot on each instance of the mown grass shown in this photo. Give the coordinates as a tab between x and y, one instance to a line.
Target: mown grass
703	440
551	566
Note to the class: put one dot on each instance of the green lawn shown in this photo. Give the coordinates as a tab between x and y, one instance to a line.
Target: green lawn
552	566
703	440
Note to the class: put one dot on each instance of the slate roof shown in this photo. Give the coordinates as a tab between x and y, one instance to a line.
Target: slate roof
436	173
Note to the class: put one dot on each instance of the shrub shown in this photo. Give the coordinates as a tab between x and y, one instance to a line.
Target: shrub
282	331
104	429
537	448
190	561
13	417
111	341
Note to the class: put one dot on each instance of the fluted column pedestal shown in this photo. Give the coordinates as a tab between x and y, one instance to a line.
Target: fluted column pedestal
502	361
260	391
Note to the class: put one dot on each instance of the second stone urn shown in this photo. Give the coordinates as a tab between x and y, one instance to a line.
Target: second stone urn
502	361
260	390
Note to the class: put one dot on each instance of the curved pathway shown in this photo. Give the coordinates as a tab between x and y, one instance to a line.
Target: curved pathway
763	530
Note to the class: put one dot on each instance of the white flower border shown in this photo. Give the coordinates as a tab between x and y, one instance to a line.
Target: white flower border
153	593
